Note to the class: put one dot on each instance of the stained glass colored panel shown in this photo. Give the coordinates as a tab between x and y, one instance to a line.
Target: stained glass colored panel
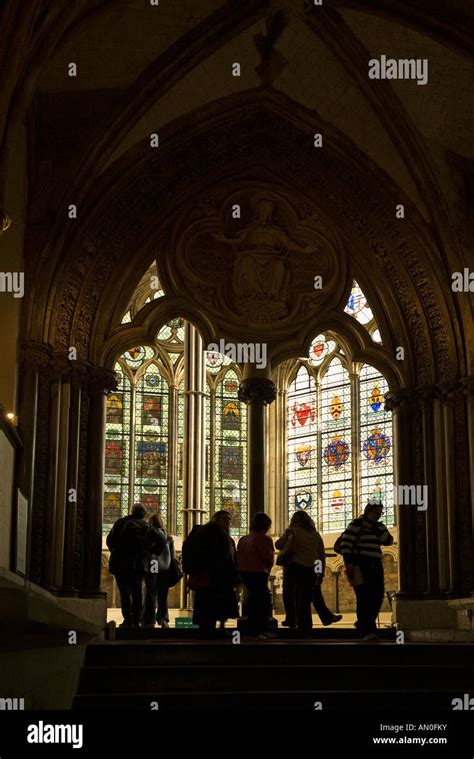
230	453
302	444
376	442
179	479
117	452
335	426
357	305
151	440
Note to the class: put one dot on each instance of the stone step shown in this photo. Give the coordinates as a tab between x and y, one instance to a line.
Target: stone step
272	677
157	652
335	701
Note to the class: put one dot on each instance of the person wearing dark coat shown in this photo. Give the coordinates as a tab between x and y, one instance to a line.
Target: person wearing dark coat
128	563
216	600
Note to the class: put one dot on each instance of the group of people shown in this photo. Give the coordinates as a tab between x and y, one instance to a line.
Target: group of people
216	567
141	552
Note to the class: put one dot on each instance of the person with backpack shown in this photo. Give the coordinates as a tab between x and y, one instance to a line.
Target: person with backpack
209	560
160	552
128	563
360	545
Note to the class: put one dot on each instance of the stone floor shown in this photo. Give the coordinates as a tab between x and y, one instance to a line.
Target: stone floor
385	618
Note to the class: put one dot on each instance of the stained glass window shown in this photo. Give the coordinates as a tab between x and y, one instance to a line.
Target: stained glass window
319	349
302	444
376	442
230	453
179	478
151	441
209	416
322	464
335	420
357	305
172	332
117	451
126	318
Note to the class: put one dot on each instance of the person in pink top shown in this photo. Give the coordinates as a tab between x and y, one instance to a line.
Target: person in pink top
254	561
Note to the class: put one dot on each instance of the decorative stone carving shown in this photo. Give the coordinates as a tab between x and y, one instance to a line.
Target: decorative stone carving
5	221
257	389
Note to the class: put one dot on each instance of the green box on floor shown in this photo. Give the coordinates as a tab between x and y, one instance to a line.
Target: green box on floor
185	622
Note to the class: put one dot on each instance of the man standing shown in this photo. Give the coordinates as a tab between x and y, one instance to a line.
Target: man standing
126	542
361	544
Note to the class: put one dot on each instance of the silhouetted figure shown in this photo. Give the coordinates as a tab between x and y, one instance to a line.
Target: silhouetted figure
360	547
160	551
299	574
209	560
254	562
128	563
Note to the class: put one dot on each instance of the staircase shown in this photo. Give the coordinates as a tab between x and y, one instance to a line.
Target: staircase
174	670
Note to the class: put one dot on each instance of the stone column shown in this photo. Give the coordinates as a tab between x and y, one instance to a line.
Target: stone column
449	495
357	506
468	388
277	495
257	393
194	430
34	357
78	377
61	486
101	382
426	399
56	370
400	403
173	458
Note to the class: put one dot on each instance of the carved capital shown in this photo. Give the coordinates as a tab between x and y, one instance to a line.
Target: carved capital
398	399
102	380
255	389
467	385
5	221
34	357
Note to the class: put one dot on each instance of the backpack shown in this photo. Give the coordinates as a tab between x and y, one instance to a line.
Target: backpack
131	540
194	554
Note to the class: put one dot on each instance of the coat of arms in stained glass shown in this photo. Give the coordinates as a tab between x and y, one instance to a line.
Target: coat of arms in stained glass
336	453
377	446
303	499
301	412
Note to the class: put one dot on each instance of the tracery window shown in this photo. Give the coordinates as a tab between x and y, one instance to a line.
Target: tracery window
339	438
145	431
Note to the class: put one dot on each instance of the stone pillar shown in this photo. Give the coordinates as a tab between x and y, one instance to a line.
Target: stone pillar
400	403
449	495
56	370
468	388
277	494
34	357
441	546
78	377
194	429
426	399
101	382
170	519
357	506
61	488
257	393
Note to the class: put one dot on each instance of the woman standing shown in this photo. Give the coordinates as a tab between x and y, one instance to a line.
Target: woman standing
299	573
213	573
160	553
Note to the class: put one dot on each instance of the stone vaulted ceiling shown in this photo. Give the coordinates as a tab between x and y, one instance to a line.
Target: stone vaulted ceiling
144	69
